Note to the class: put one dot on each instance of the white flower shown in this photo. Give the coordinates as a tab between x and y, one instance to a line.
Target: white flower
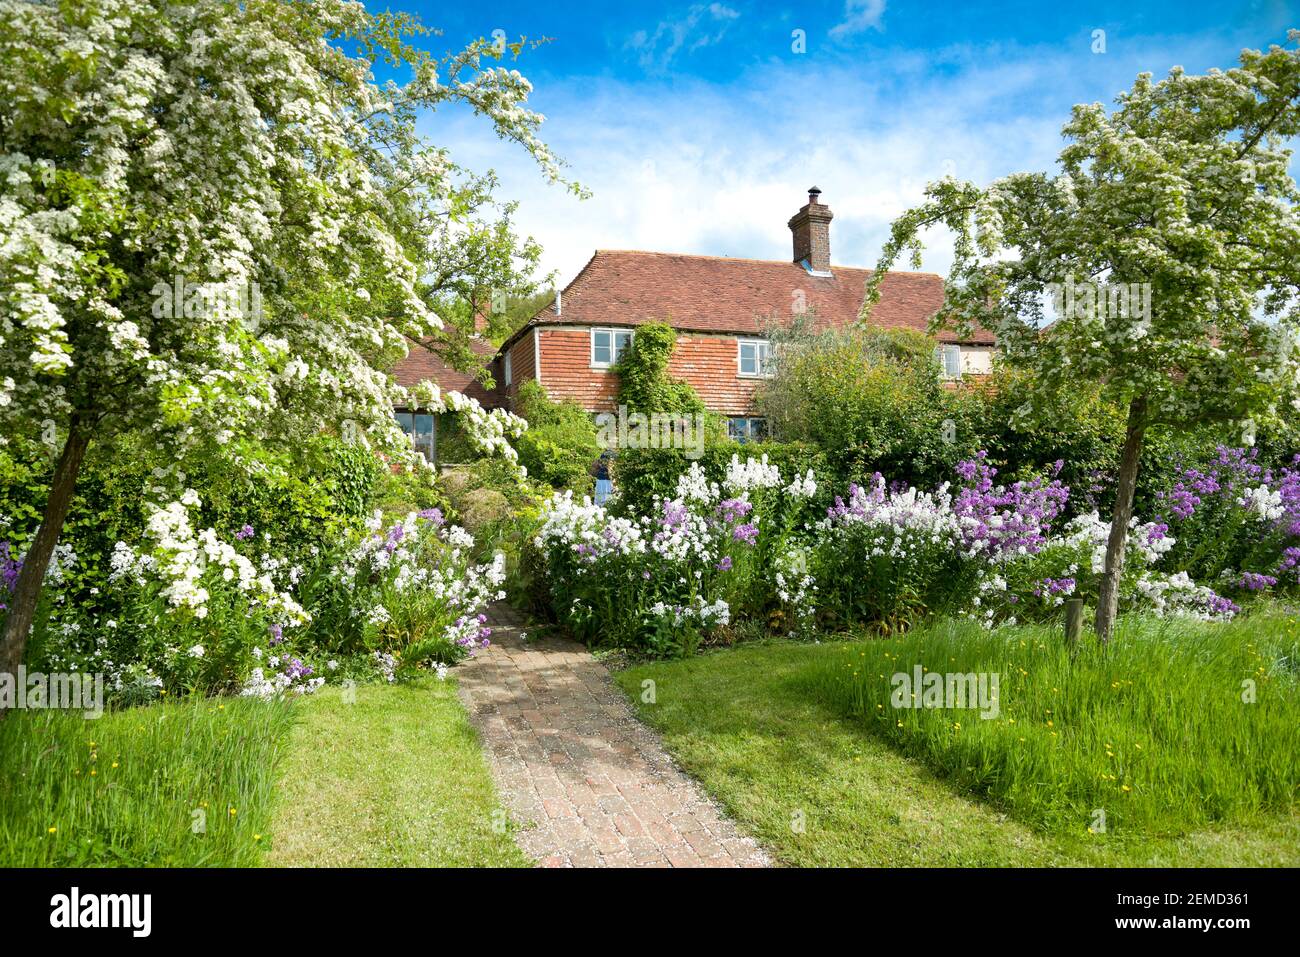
753	474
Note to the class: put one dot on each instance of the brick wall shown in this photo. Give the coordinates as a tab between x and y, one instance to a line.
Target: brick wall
707	362
567	372
521	368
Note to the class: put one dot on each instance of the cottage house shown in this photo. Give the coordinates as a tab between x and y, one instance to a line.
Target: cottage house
721	308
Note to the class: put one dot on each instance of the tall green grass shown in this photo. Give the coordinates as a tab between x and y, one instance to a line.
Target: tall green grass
131	788
1154	731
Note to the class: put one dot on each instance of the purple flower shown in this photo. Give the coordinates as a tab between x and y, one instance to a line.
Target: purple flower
746	533
1000	519
433	515
734	509
296	669
277	634
675	515
1055	586
1254	581
725	564
1216	605
10	567
243	533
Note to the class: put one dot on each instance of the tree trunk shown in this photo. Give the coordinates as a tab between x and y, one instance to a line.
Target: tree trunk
22	606
1108	596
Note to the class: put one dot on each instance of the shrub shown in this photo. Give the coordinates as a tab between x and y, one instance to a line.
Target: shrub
871	399
292	502
662	583
191	613
560	445
1234	521
414	593
479	507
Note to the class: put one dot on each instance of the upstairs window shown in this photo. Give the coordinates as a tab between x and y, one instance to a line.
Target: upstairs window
753	357
608	346
949	357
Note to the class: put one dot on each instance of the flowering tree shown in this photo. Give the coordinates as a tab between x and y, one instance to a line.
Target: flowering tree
214	224
1170	244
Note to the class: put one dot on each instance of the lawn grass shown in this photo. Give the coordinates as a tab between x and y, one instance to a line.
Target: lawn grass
394	779
183	784
766	734
1176	726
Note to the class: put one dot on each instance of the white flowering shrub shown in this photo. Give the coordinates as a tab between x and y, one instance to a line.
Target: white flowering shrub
216	226
408	590
1034	587
196	614
664	582
889	557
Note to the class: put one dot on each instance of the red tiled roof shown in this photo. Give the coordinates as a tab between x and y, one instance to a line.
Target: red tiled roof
423	363
717	294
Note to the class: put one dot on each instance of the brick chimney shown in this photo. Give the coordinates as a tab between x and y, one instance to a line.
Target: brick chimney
812	234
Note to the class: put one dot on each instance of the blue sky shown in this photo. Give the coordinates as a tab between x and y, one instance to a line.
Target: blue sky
699	126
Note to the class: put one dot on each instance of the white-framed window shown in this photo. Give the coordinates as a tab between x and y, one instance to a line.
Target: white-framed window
949	357
753	357
746	429
608	346
506	371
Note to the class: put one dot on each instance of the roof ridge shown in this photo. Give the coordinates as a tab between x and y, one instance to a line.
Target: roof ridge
747	259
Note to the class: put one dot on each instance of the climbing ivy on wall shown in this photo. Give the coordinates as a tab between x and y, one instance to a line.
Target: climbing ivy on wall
644	382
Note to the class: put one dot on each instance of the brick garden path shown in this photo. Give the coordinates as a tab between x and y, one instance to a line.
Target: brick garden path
590	785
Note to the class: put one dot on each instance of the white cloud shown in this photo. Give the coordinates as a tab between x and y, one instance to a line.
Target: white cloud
693	167
699	27
859	15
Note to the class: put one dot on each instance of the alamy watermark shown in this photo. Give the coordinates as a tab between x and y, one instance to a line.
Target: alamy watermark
64	691
132	912
658	430
1094	300
935	689
201	300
